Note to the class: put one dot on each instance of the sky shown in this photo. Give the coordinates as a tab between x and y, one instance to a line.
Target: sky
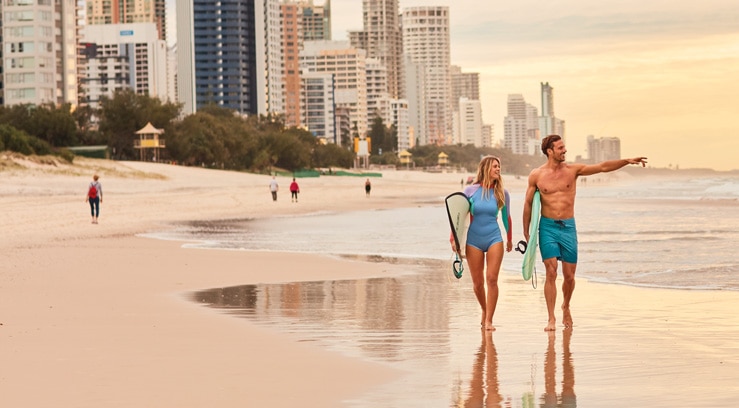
662	76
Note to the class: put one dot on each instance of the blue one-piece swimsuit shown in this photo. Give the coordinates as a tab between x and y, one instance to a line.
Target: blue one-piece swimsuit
484	231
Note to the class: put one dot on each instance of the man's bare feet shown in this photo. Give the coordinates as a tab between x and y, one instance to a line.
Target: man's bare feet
566	317
551	326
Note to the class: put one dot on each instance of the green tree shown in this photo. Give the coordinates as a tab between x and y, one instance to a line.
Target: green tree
125	113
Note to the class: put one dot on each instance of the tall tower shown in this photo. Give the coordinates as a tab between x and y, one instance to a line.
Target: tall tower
426	41
549	124
381	38
316	21
128	11
39	43
223	54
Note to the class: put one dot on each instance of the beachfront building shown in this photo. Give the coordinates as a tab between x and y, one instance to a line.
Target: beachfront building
488	135
381	39
469	130
124	56
347	65
426	42
291	40
315	21
415	91
464	85
222	54
549	124
318	106
603	149
128	11
40	53
520	127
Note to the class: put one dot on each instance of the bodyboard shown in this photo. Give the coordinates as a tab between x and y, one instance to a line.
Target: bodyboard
458	210
529	257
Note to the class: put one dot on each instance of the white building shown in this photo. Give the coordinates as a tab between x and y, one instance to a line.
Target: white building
415	91
470	122
378	99
347	64
39	41
521	132
426	41
317	106
125	56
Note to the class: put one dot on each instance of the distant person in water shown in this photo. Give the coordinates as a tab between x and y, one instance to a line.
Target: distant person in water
556	181
484	250
294	190
94	197
367	187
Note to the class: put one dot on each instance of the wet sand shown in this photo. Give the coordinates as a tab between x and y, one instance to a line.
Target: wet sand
93	315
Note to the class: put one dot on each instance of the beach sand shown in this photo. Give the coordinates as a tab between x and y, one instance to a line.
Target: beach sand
96	316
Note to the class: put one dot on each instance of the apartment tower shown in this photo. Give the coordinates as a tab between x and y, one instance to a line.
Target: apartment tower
381	38
426	42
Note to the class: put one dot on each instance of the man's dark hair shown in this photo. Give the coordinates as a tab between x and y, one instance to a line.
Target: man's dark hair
548	142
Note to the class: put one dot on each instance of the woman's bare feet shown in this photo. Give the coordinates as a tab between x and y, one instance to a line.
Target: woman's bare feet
551	326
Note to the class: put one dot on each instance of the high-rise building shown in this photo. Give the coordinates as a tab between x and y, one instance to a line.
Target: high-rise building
378	102
40	52
604	148
318	106
415	80
291	43
464	85
470	122
520	131
426	42
223	54
128	11
381	38
347	64
549	124
124	56
316	21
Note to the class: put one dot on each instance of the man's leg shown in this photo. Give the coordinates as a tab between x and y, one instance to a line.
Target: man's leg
568	286
550	291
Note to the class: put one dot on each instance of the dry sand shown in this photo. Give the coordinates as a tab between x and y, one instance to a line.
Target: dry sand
95	316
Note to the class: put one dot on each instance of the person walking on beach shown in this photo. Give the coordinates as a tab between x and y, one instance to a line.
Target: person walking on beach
273	187
557	182
484	247
367	188
94	197
294	190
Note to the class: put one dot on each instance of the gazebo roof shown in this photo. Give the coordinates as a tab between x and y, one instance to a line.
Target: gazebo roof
149	129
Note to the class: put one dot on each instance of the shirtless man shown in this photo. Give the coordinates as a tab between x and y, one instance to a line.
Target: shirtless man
556	182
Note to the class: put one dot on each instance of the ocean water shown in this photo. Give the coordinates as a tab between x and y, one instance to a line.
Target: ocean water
679	234
643	232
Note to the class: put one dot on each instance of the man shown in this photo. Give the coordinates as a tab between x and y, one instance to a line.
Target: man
556	182
273	187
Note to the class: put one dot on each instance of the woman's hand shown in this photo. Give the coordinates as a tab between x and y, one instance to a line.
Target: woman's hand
509	246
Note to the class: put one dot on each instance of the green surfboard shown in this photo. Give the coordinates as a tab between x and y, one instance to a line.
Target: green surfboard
529	257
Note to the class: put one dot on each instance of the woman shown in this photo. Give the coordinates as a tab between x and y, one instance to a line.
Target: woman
294	190
484	240
94	197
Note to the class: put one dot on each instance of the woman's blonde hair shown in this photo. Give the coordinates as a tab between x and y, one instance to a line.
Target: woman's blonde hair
487	183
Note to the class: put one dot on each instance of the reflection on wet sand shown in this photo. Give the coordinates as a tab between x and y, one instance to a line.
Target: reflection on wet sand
484	386
420	323
567	397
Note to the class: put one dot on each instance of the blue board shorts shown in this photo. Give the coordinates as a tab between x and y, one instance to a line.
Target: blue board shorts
558	239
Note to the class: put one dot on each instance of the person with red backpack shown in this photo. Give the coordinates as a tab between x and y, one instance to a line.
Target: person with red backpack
94	197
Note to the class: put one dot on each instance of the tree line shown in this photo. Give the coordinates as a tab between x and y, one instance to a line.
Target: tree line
212	137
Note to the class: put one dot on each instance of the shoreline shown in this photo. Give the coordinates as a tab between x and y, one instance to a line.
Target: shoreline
96	315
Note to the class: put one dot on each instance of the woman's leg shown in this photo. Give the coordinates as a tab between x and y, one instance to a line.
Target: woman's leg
494	260
476	263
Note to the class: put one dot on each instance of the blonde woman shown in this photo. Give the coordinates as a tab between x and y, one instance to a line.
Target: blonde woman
484	248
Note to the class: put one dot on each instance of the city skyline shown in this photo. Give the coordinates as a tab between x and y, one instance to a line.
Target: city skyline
661	80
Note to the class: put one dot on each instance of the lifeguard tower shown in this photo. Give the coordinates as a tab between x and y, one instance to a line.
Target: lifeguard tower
443	160
405	158
149	139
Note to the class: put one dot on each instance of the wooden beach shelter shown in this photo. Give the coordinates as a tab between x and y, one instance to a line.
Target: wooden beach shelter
405	158
149	139
443	159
